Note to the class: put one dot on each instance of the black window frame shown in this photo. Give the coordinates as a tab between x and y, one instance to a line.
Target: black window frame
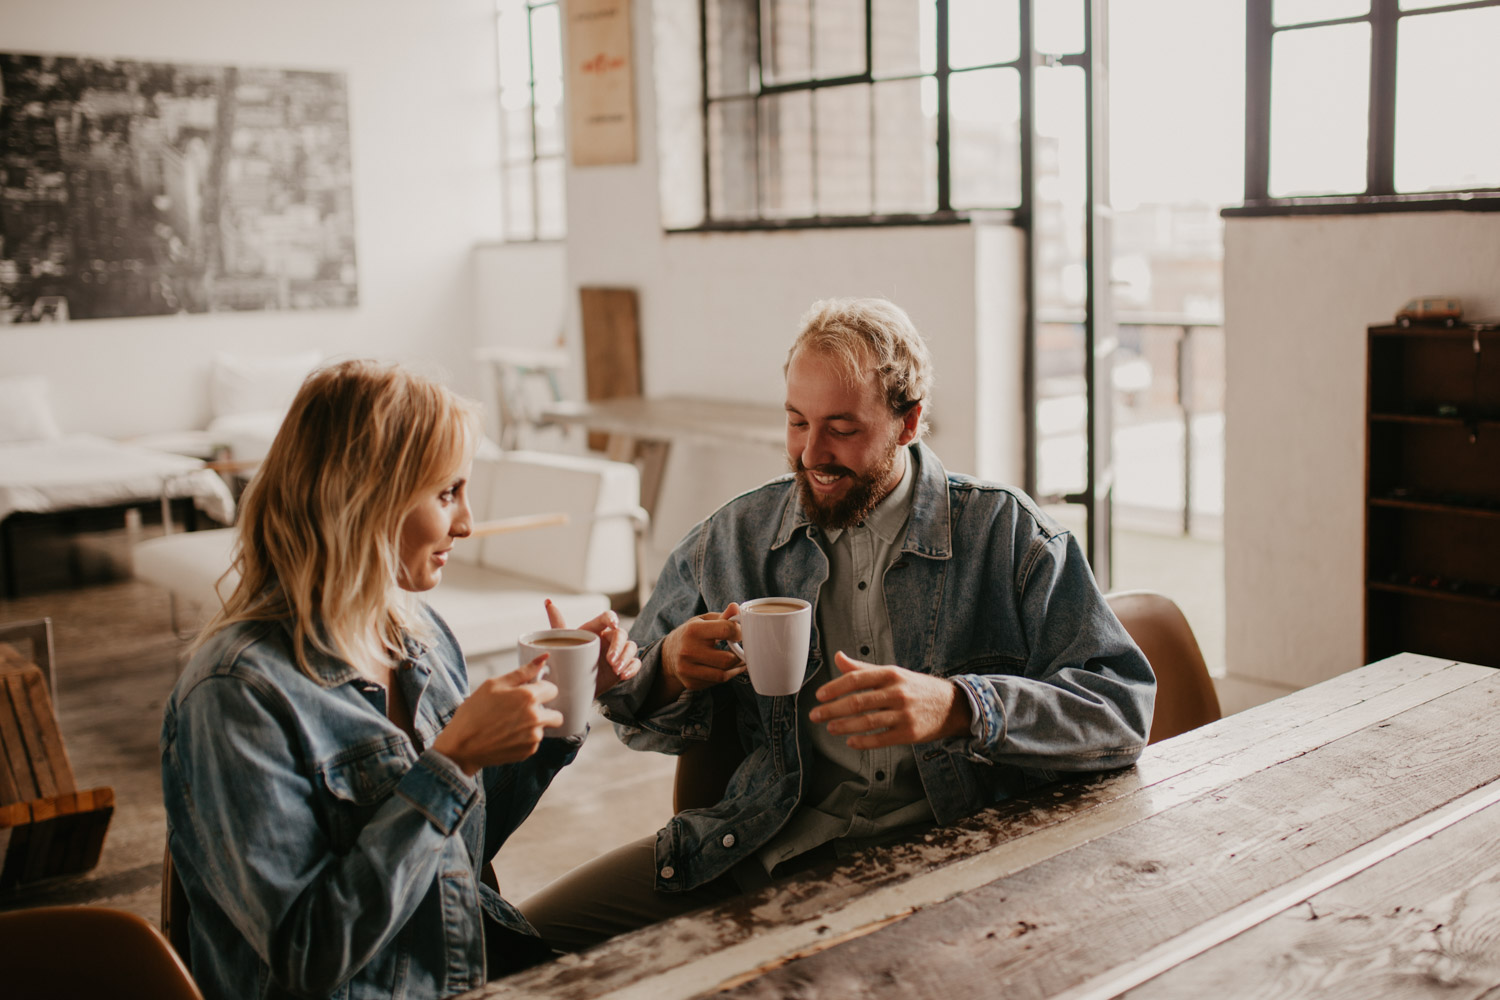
944	213
1380	194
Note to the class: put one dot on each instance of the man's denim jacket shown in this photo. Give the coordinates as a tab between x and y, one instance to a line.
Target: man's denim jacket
986	590
323	854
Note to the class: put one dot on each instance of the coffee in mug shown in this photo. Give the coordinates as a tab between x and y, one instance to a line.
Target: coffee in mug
573	665
774	608
776	632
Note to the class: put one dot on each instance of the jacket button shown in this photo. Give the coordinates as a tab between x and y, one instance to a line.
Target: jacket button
728	840
668	872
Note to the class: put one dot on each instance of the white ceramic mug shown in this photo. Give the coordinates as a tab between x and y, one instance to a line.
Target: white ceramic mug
775	631
573	665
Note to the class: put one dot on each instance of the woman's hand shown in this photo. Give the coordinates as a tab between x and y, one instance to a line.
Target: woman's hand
502	721
617	654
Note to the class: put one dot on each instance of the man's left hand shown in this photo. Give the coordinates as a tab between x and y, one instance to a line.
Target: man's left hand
884	706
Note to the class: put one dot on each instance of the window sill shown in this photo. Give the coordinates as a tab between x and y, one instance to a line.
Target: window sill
966	218
1359	204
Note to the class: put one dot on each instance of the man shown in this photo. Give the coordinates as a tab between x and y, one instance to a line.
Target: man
961	650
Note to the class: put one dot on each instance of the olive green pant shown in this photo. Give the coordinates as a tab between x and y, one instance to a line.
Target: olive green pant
613	894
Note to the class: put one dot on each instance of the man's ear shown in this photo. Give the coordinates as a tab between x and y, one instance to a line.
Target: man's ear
910	421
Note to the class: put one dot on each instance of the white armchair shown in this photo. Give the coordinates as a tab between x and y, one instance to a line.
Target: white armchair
493	587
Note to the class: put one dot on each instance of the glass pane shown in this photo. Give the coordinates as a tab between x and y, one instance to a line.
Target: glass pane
786	156
1304	11
517	209
1061	409
1423	4
1444	75
546	46
985	138
845	186
983	31
679	117
549	127
551	200
731	48
517	148
731	150
515	54
786	48
1059	27
838	38
1061	190
904	37
1320	98
906	146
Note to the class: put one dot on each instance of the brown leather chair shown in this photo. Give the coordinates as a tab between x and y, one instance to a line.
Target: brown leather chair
88	951
1185	697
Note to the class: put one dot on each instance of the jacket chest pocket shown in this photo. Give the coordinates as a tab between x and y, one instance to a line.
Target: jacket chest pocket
358	783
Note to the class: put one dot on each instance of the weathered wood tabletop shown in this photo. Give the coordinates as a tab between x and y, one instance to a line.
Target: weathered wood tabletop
1342	841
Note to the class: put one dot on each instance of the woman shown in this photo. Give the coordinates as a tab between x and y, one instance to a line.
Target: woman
333	791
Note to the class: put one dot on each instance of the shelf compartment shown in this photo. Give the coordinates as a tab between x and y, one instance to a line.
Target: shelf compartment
1406	620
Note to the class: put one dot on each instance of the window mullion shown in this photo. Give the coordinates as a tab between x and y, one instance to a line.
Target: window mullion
1258	36
944	178
1380	164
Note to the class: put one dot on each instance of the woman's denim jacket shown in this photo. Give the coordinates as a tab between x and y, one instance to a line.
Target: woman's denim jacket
986	590
322	853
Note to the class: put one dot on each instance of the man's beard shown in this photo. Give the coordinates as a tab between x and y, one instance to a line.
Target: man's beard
865	492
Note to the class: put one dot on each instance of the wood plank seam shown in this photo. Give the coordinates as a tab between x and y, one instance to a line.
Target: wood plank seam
1171	953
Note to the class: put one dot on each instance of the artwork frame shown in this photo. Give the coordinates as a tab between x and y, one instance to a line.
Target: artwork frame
147	188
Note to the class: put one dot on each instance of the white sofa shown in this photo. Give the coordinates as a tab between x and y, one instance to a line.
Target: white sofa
494	585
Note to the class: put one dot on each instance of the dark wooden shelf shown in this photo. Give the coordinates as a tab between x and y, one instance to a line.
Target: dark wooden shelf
1432	472
1435	593
1434	507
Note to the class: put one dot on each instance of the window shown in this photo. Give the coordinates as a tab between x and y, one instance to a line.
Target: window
529	35
1375	98
812	111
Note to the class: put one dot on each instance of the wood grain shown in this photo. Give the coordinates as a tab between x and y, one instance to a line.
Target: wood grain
686	956
611	346
1423	924
1078	914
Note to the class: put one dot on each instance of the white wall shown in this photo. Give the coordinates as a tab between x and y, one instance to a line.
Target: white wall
421	79
1299	293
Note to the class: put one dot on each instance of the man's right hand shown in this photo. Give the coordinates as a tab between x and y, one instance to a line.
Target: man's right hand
691	658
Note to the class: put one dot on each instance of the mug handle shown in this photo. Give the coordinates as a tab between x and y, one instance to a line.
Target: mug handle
735	647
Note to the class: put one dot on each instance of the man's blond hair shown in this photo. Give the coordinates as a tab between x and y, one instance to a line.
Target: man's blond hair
871	339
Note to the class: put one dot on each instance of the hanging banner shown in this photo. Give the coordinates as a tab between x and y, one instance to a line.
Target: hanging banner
601	82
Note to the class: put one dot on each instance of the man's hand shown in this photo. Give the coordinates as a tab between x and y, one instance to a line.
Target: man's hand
890	706
691	658
617	653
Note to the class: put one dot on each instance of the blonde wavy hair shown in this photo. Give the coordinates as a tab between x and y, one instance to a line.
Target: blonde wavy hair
871	338
320	523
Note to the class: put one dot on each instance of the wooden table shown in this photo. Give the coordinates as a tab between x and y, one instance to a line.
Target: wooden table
645	429
1342	841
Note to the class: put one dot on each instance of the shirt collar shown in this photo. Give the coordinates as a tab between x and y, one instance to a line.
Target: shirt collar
889	515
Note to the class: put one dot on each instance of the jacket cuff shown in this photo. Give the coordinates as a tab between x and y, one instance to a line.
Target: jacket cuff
988	726
438	789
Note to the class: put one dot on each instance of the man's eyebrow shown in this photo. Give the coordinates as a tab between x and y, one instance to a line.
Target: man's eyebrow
849	417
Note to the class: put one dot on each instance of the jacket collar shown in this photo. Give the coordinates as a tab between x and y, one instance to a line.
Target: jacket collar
929	528
330	671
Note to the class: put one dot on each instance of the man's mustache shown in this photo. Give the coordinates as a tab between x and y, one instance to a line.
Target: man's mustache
824	470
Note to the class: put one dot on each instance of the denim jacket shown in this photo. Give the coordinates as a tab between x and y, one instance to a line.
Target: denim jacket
986	591
322	853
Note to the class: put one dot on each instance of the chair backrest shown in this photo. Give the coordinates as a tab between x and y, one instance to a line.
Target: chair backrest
88	951
33	763
1185	697
595	552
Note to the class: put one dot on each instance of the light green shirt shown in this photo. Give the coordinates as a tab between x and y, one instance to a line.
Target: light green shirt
851	793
